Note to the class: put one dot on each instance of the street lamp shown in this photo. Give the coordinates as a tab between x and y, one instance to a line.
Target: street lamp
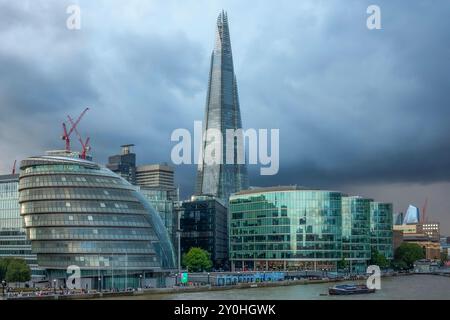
140	280
100	283
208	278
54	286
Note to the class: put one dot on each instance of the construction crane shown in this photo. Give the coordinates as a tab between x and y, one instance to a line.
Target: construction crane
424	211
14	167
66	134
84	144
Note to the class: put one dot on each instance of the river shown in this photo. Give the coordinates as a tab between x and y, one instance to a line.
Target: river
402	287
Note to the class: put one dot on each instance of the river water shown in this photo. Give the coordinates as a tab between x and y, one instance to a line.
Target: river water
402	287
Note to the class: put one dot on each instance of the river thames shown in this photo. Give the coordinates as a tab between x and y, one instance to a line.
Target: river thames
392	288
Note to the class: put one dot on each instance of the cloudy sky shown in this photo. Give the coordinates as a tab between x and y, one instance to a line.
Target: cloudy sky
362	111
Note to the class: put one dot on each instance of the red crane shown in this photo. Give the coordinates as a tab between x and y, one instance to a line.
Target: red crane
66	135
14	167
424	211
84	145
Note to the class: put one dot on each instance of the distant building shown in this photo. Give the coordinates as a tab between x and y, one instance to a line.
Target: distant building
124	164
431	249
431	229
412	215
204	224
398	218
397	236
155	176
381	228
13	238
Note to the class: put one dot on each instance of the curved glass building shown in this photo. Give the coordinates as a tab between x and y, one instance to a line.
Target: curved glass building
285	228
79	213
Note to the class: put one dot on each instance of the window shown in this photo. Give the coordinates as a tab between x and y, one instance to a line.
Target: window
102	204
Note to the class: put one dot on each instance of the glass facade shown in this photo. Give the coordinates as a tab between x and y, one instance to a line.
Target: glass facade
356	232
381	228
204	224
285	228
222	113
79	213
13	239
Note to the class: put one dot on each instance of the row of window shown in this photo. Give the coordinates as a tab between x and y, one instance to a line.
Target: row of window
90	233
76	193
85	220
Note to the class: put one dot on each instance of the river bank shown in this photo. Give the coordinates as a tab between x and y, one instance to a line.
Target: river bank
198	289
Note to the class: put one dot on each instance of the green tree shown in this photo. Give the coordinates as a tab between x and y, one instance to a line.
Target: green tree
408	253
342	264
14	270
197	260
378	259
444	257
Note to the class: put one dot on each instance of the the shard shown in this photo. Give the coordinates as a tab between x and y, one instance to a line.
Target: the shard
222	113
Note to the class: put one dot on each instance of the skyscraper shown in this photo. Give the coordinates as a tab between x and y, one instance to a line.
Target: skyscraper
222	113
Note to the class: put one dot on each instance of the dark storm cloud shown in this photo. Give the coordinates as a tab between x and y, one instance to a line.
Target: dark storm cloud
354	106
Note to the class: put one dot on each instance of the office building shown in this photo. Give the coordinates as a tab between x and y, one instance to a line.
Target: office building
79	213
397	239
381	228
159	176
412	215
432	229
204	224
222	113
13	239
124	164
356	232
285	228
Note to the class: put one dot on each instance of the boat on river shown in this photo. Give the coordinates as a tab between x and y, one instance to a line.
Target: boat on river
347	289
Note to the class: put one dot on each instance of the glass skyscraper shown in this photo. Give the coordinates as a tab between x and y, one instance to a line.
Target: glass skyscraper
79	213
222	113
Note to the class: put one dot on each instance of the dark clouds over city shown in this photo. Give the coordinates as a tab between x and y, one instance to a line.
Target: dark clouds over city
362	111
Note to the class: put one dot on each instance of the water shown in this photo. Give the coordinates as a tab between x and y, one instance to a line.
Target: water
404	287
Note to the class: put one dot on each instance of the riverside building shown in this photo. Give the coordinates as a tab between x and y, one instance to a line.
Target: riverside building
13	238
296	228
77	212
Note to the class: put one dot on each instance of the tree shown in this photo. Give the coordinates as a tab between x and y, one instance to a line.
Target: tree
14	270
342	264
378	259
197	260
444	257
408	253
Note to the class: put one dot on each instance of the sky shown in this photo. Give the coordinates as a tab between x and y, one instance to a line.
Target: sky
366	112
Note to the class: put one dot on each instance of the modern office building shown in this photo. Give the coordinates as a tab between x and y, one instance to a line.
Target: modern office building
356	232
159	176
79	213
398	218
222	113
282	228
397	239
204	224
124	164
13	238
381	228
